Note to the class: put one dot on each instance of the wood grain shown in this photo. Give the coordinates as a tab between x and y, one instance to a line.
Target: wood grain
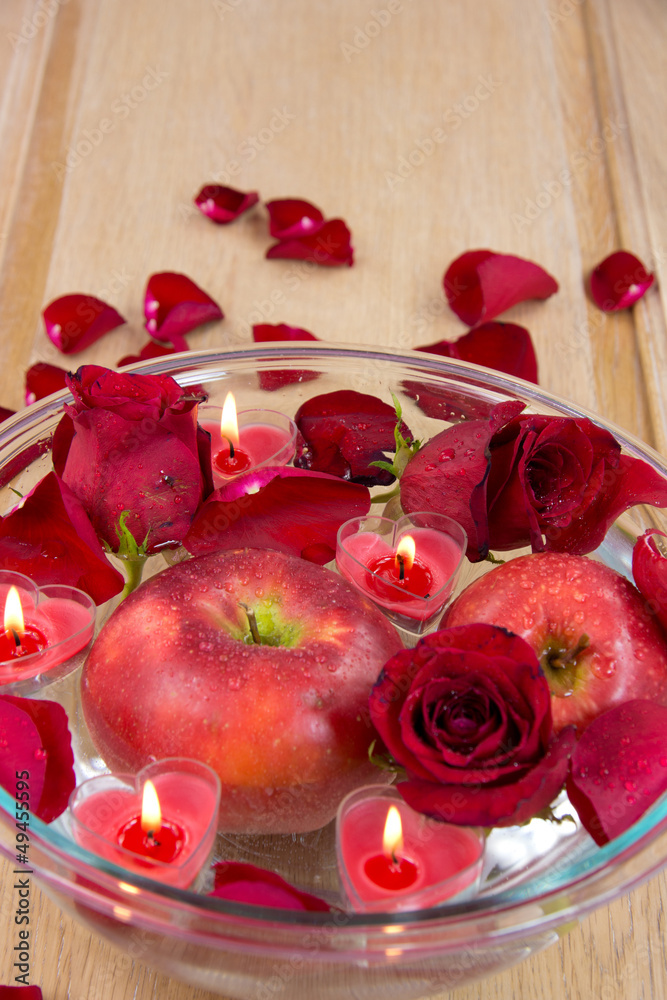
531	128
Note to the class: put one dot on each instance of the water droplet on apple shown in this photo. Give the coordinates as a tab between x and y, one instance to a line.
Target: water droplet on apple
259	592
629	786
332	667
234	683
625	741
631	800
206	647
40	754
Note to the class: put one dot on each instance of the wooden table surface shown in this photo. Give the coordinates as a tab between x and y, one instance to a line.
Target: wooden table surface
535	127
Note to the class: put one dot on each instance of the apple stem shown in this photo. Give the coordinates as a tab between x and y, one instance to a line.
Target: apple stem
561	660
252	623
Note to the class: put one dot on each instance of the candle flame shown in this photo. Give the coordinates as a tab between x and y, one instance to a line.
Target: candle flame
406	550
151	814
14	612
229	427
392	839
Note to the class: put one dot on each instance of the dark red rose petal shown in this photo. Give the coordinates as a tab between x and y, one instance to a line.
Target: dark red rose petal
293	218
293	511
482	284
506	347
50	539
153	349
246	883
329	246
74	322
449	475
42	379
649	569
36	738
619	768
224	204
4	415
174	305
344	431
496	805
268	332
20	993
445	402
619	281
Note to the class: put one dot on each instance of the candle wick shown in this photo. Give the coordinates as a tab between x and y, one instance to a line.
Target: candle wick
231	445
252	623
401	566
15	637
151	837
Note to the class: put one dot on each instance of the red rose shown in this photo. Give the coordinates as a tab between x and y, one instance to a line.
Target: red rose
564	479
467	713
510	480
130	442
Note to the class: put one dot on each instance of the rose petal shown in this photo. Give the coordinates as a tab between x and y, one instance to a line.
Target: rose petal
36	738
344	432
42	379
445	403
502	805
267	332
49	538
449	475
153	349
20	993
224	204
329	246
290	510
74	322
619	281
506	347
174	305
482	284
4	415
246	883
293	218
619	768
649	569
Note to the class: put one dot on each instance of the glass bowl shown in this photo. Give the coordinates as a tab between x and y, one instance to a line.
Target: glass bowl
537	879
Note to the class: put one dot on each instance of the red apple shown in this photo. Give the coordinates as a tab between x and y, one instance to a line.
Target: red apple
597	645
284	721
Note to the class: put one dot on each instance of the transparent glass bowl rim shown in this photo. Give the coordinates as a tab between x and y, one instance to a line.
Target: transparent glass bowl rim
509	914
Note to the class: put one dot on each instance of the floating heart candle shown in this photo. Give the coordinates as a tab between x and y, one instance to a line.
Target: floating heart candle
165	831
409	567
247	440
43	628
393	858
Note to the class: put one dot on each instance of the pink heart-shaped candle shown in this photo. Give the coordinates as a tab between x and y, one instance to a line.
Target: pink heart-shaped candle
426	864
412	586
55	623
107	817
